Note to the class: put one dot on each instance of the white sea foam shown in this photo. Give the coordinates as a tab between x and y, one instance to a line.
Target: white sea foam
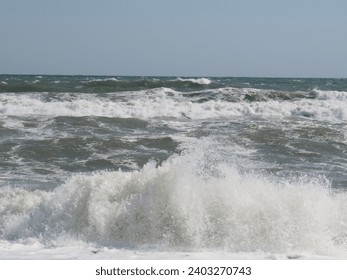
190	203
84	251
200	81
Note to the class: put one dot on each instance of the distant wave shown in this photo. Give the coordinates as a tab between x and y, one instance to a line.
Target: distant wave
200	81
100	85
103	80
165	102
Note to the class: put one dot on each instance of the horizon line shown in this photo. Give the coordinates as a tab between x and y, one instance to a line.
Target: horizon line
178	76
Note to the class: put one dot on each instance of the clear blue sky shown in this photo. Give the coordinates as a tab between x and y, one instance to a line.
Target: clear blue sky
267	38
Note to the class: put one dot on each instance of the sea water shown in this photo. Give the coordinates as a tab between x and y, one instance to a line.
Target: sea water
172	167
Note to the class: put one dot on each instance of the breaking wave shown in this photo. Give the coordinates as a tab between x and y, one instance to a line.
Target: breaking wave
192	201
200	81
166	102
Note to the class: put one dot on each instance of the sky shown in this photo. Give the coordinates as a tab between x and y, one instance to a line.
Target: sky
238	38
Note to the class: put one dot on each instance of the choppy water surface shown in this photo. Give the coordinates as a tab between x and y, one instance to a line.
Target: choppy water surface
153	163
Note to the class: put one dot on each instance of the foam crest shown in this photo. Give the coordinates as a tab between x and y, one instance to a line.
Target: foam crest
103	80
190	202
330	95
165	102
200	81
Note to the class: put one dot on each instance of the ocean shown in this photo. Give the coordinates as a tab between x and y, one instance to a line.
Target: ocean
172	167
